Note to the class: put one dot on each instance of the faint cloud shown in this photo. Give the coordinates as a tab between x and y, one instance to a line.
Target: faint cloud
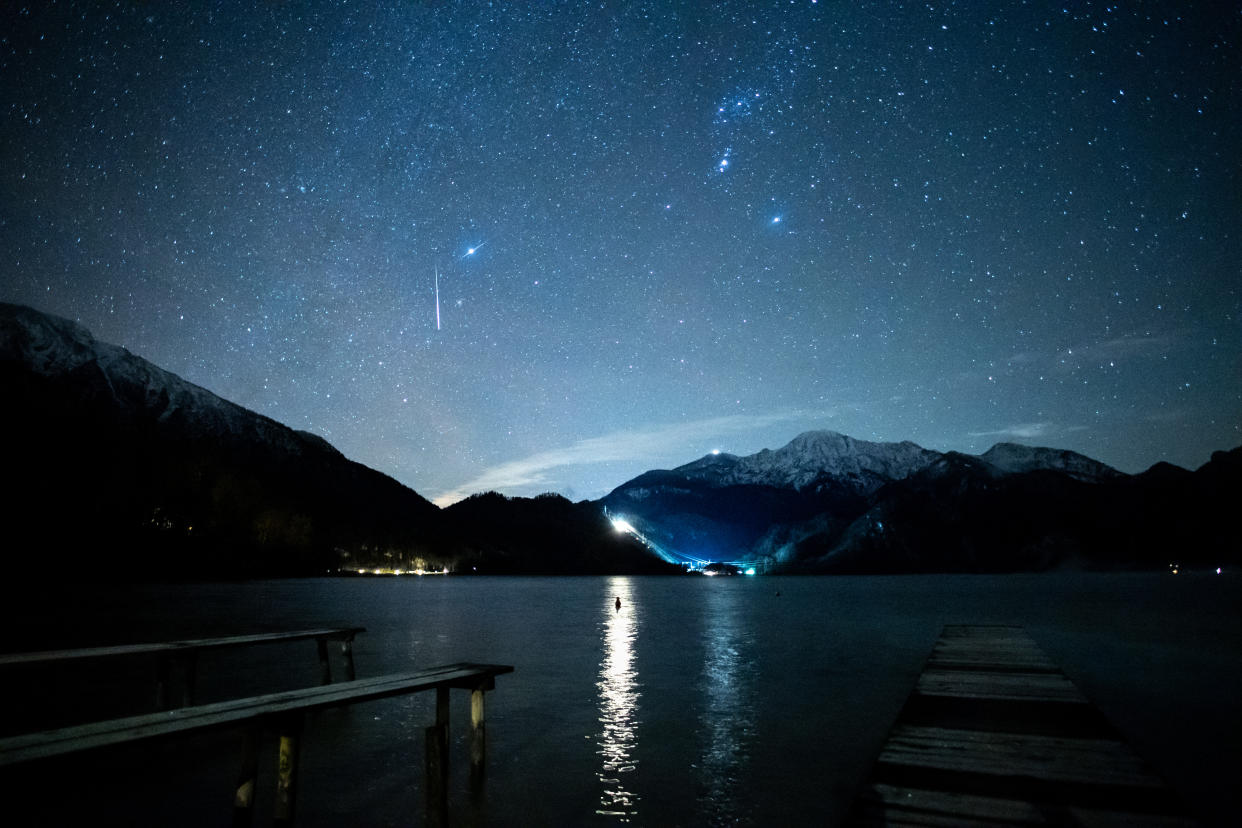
1112	350
654	444
1118	349
1022	431
1126	346
1171	416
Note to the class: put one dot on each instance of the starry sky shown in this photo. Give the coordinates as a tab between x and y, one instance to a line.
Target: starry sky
657	228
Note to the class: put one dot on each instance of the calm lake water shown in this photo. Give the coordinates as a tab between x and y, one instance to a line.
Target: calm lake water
702	701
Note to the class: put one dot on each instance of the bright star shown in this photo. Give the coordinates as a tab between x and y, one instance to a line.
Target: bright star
776	220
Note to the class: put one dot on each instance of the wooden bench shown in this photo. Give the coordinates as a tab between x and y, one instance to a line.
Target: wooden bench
181	657
284	713
995	733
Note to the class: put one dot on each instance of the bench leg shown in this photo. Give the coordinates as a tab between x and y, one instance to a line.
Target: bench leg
190	662
436	776
347	651
478	737
163	677
437	768
287	770
243	796
325	666
167	670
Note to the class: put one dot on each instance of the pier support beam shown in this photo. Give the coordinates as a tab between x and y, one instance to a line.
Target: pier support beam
347	652
325	666
478	737
287	770
247	778
175	675
437	768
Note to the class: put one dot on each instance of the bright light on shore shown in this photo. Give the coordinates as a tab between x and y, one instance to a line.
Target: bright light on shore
623	525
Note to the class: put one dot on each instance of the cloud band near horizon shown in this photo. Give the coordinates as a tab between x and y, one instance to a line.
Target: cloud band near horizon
654	444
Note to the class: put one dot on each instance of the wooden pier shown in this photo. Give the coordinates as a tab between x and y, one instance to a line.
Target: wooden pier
995	734
282	715
176	662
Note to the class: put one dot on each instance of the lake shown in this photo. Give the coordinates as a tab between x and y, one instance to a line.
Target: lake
701	701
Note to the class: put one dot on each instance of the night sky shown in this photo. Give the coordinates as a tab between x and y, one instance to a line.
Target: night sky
694	226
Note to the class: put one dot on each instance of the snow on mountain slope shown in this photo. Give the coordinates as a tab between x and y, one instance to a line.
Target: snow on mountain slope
1011	458
812	456
58	348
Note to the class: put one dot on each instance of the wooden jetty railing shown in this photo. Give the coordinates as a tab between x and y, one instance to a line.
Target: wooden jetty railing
284	713
995	733
173	658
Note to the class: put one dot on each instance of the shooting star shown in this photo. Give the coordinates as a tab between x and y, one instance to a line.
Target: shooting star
471	251
437	298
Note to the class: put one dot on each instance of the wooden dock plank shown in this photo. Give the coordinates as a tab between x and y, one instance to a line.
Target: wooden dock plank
912	806
899	806
995	734
990	684
45	744
165	647
1092	761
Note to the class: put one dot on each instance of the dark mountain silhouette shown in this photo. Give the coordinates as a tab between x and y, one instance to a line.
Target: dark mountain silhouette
831	504
119	469
122	467
544	535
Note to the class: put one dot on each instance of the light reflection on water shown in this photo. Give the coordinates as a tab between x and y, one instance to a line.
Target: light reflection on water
727	721
618	704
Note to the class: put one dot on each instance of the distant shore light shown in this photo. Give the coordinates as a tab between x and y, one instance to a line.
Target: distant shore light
623	525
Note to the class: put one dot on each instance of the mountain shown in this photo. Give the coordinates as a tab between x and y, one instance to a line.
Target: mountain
811	459
1011	458
545	535
120	469
721	505
828	503
125	467
126	470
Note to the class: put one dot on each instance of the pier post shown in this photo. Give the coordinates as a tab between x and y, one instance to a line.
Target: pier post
347	650
247	777
437	769
325	666
163	674
478	736
442	709
167	668
290	729
190	662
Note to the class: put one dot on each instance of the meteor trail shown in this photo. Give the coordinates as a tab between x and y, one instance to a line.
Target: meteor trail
437	298
470	252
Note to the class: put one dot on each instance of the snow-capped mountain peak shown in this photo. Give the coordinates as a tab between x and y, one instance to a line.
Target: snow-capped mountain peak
817	454
60	349
811	457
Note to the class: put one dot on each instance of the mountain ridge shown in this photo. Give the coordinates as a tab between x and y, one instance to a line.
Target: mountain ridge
128	468
54	346
826	502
